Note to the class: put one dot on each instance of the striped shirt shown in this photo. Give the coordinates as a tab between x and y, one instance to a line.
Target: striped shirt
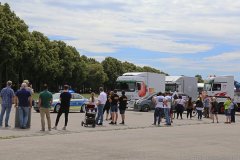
7	95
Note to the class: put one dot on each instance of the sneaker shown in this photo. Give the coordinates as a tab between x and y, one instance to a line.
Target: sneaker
115	123
64	128
99	124
55	127
121	123
49	129
42	130
111	122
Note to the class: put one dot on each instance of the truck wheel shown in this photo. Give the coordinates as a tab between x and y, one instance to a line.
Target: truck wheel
56	108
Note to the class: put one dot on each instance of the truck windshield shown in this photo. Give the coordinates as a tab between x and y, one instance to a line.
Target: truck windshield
126	86
171	87
207	86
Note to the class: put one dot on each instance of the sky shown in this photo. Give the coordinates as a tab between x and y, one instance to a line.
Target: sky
179	37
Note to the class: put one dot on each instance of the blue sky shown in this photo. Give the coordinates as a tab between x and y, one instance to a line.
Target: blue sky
179	37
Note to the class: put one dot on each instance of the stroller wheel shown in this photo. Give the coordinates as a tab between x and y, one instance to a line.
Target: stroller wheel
93	125
82	123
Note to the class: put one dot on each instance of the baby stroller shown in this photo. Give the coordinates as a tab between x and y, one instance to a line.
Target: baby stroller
89	116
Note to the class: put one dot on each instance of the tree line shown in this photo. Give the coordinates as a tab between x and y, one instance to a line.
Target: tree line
32	56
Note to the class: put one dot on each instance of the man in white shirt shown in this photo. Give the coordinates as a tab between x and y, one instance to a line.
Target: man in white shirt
102	98
158	100
167	107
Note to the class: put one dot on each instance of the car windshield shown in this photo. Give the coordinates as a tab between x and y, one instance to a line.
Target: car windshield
127	86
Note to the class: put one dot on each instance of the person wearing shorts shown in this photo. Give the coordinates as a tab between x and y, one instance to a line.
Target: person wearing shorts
227	104
123	106
114	107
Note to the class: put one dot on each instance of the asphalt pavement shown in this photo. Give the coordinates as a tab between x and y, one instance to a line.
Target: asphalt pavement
138	139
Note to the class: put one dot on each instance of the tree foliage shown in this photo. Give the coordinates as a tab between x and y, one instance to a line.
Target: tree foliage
199	78
32	56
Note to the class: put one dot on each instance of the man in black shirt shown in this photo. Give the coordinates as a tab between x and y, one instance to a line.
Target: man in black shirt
123	106
114	107
65	98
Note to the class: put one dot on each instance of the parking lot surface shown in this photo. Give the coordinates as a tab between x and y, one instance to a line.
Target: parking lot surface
138	139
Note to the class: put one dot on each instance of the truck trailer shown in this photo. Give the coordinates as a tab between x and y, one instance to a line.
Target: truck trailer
182	85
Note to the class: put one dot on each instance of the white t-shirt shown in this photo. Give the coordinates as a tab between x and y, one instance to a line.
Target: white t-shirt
102	98
159	100
169	101
181	101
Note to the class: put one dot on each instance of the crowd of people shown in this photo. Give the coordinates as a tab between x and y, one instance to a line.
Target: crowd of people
23	101
166	105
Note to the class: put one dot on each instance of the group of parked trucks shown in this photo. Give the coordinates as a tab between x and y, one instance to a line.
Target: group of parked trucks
139	85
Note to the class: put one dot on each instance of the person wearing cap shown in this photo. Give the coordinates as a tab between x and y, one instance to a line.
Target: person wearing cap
7	95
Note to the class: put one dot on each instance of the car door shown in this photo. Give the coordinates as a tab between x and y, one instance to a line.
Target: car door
76	102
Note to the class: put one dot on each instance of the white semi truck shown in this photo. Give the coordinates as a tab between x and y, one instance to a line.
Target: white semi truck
222	87
139	85
182	85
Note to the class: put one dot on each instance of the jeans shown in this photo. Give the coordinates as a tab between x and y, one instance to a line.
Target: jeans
99	118
6	109
23	115
199	112
167	115
157	115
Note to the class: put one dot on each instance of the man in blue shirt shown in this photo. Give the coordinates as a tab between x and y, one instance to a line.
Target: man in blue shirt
23	101
7	95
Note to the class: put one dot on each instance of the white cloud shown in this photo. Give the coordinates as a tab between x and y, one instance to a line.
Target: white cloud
225	57
165	27
98	25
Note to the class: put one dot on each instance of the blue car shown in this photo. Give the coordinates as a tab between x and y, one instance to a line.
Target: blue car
77	103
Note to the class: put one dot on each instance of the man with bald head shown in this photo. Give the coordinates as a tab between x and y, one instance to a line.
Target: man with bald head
23	101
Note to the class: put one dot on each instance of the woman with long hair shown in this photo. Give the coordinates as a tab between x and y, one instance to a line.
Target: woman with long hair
189	107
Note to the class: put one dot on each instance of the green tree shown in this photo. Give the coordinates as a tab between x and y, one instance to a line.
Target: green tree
96	76
199	78
113	68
